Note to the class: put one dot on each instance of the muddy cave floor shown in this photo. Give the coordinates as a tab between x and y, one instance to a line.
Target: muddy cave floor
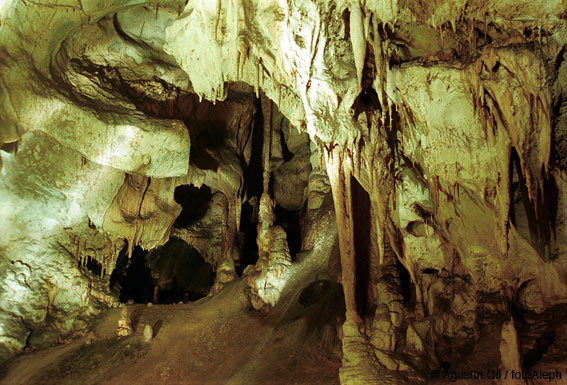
218	340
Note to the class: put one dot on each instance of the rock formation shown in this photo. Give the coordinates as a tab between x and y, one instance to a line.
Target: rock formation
439	129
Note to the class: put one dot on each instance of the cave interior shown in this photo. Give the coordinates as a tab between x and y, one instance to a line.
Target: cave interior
283	192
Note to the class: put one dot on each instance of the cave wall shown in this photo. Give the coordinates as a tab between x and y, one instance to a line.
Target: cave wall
449	115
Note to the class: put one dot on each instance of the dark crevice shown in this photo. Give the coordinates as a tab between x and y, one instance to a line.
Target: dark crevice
253	173
362	239
287	155
194	202
203	160
290	221
560	58
366	101
120	31
11	147
417	229
248	222
132	277
253	185
406	285
542	344
346	22
94	267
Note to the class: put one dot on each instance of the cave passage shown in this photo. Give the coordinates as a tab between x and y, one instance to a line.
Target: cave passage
178	271
132	277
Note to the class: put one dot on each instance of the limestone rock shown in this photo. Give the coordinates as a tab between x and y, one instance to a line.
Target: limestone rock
148	333
124	324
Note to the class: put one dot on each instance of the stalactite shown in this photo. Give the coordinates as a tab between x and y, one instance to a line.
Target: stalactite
320	155
358	155
242	54
485	29
241	40
339	168
238	208
377	219
219	8
266	150
380	67
367	17
357	39
78	252
505	220
394	194
228	230
390	114
257	85
436	188
130	247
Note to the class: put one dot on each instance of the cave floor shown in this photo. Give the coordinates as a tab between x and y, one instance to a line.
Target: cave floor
217	341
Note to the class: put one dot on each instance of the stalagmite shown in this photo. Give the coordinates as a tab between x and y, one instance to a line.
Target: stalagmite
124	323
148	333
225	270
510	351
268	278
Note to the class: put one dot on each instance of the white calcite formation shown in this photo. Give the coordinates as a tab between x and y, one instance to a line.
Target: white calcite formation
269	277
440	129
124	328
